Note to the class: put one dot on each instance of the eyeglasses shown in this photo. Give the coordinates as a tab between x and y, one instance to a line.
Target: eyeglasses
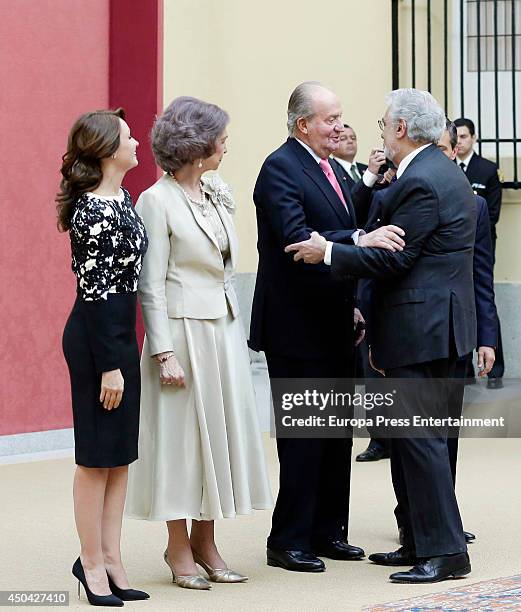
381	124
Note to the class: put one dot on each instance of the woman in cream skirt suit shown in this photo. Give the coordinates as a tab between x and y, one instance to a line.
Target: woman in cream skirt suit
200	449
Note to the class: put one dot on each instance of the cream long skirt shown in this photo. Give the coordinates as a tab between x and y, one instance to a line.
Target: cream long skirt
200	449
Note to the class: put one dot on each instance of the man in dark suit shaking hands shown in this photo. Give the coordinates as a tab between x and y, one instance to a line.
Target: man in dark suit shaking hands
304	321
425	320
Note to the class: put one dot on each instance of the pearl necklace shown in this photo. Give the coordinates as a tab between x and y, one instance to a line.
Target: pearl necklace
202	204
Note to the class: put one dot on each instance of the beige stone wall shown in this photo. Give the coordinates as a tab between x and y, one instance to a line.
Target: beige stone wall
508	252
247	57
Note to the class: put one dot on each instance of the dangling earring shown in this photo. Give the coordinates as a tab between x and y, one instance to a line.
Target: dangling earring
113	156
200	165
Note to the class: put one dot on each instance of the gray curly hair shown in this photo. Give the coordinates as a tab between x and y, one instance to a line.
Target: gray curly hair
423	115
186	131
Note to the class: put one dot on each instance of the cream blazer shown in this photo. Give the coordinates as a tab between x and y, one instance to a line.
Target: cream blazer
183	273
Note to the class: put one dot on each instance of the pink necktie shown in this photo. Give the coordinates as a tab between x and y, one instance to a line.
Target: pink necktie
330	175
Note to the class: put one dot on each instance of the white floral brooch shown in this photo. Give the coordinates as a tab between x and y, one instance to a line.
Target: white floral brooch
219	192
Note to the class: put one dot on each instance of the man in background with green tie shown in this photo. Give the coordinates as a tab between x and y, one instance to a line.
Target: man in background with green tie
346	154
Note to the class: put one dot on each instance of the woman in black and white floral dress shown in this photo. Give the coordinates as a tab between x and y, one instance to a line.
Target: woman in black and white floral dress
108	242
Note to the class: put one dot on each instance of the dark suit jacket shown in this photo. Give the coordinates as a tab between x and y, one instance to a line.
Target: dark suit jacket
360	194
365	286
486	313
483	275
423	295
483	177
298	309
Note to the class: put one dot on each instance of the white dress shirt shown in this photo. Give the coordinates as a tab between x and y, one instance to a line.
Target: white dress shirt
309	150
348	167
465	161
408	159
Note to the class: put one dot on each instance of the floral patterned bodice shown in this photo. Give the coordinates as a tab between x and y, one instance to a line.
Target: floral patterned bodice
108	242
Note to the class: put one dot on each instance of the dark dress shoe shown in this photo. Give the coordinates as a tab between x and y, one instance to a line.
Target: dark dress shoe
469	537
396	557
340	550
494	383
295	560
127	594
435	569
373	453
94	600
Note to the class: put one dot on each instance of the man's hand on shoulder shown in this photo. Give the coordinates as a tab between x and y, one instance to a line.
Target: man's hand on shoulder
313	250
310	251
386	237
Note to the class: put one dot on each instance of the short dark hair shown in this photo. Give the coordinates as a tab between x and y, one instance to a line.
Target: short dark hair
187	130
468	123
348	126
450	126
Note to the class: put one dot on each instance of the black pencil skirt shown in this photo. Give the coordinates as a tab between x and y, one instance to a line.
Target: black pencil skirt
104	438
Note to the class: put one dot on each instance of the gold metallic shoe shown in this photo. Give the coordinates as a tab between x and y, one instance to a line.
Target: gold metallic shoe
188	582
219	575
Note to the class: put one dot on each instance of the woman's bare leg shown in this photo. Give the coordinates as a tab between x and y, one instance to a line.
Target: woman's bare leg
89	495
202	540
179	550
114	504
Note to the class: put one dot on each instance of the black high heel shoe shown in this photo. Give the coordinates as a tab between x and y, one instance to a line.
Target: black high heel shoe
94	600
126	594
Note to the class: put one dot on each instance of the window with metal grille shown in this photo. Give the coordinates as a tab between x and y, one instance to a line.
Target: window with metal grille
431	49
493	35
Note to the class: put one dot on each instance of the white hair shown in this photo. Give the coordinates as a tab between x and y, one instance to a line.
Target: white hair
421	112
301	104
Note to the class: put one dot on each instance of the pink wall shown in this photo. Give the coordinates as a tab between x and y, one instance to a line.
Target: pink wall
60	58
55	64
